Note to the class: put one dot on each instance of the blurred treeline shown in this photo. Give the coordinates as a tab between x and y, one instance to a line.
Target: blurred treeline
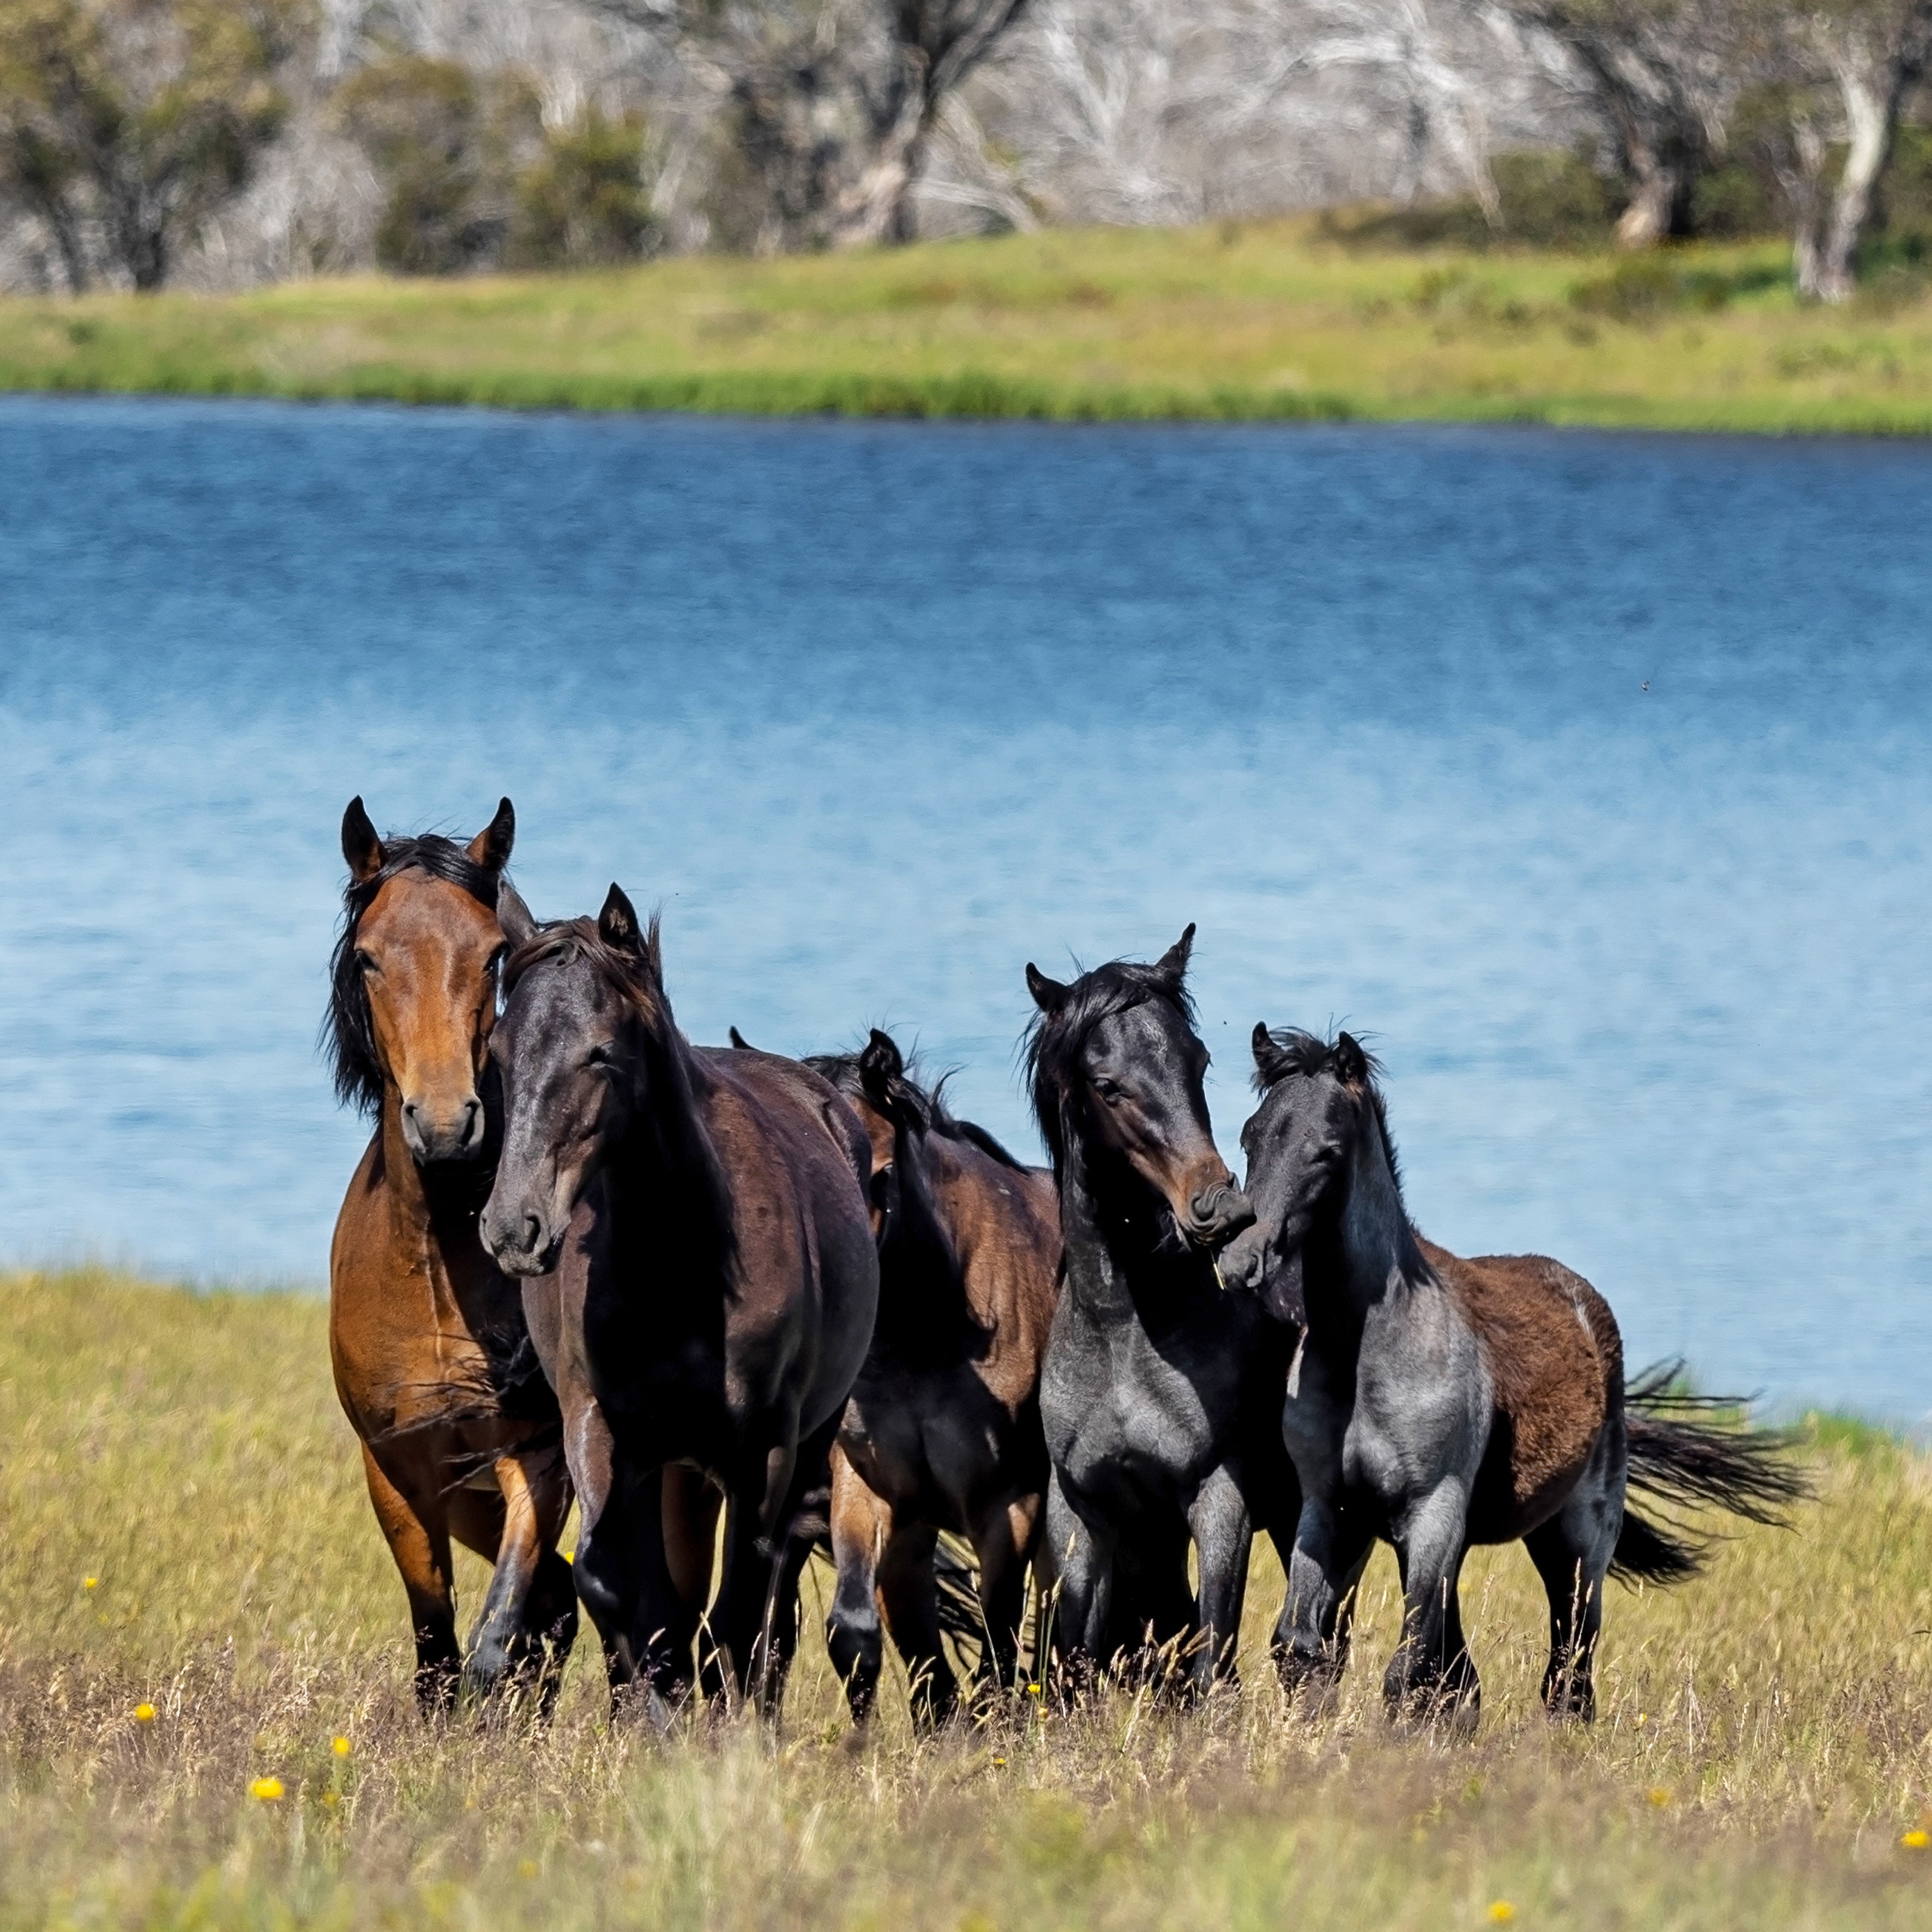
222	142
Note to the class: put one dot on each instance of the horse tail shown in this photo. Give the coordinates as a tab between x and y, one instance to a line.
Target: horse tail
1681	1457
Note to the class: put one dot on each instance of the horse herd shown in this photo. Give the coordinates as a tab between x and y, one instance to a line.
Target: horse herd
582	1257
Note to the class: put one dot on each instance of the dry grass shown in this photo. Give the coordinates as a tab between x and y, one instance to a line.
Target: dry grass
1762	1747
1260	319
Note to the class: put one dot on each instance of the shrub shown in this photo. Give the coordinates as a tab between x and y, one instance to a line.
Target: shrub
444	146
583	202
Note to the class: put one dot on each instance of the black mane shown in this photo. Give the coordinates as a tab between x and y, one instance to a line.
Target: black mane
348	1035
1299	1052
926	1104
1054	1040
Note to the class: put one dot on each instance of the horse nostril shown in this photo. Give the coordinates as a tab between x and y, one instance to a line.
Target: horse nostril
472	1122
533	1234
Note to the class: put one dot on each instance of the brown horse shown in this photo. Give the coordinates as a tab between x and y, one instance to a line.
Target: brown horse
1439	1402
942	1431
460	1433
700	1282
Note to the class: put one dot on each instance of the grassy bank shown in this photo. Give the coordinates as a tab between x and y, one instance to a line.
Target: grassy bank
184	1529
1263	321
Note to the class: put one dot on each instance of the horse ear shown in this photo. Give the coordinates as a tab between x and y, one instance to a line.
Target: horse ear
490	847
879	1066
1268	1056
617	923
360	846
1172	964
739	1040
512	915
1049	995
1350	1062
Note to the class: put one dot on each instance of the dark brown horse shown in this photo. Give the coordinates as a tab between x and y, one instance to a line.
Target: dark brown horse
460	1433
1439	1402
701	1283
942	1431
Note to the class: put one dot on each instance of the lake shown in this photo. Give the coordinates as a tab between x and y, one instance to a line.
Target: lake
1591	775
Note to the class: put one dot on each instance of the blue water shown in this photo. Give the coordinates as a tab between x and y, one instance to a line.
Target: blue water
879	712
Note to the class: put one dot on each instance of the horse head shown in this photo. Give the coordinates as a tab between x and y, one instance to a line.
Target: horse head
426	924
1303	1144
1117	1064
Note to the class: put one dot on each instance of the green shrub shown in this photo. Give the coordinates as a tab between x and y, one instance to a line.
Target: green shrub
1546	199
583	202
444	145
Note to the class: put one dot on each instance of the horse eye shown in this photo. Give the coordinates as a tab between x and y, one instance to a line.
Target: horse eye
1108	1090
366	961
598	1056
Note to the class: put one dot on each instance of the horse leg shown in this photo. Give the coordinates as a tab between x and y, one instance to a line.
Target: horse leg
1572	1553
1077	1569
691	1506
1002	1539
1325	1562
530	1618
419	1542
861	1524
910	1592
1223	1535
1432	1668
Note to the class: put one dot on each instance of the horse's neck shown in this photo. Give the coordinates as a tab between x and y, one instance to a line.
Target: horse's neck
674	1194
923	1305
1374	1255
1111	1223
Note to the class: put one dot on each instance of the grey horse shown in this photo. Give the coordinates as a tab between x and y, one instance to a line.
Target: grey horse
1160	1394
1438	1402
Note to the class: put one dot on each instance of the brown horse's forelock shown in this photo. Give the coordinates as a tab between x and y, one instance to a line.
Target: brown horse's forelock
1299	1052
348	1032
1054	1041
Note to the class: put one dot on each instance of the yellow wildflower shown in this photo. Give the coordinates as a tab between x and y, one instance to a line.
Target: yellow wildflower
269	1790
1501	1911
90	1582
1659	1794
1916	1841
341	1747
528	1868
144	1714
331	1798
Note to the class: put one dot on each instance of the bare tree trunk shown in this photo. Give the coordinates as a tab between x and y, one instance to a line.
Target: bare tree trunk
1872	117
878	206
1803	184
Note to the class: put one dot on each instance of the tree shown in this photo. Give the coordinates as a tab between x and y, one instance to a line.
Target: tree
125	124
832	104
1868	55
1662	76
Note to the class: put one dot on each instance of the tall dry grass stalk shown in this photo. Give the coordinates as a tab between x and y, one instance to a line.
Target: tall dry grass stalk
184	1529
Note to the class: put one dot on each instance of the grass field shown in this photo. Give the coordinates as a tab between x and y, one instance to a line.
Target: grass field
184	1529
1257	320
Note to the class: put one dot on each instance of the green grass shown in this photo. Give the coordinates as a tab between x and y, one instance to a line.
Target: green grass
1279	320
1765	1738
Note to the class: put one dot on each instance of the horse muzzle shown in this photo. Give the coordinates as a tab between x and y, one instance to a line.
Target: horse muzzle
519	1244
457	1135
1216	1215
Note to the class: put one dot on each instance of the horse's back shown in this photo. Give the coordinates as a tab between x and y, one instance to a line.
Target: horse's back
1005	1224
1556	1358
790	1142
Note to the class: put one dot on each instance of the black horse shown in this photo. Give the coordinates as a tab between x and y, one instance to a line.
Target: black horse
1438	1402
705	1284
1161	1394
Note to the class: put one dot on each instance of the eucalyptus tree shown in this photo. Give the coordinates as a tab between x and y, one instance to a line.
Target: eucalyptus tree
1856	63
831	104
125	125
